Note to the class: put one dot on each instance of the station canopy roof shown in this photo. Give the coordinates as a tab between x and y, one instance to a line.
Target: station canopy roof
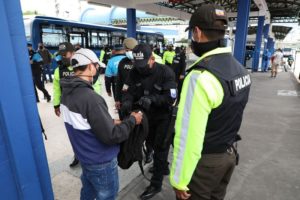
281	11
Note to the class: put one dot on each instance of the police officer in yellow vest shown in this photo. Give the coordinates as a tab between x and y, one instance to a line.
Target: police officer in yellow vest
214	95
168	55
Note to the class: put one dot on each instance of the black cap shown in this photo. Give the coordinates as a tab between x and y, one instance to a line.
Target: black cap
64	47
206	16
118	47
141	55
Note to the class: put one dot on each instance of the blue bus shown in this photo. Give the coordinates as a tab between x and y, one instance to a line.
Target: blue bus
52	31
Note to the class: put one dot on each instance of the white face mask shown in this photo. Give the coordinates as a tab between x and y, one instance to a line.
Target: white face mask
129	55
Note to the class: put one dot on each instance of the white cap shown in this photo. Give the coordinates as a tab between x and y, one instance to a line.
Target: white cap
84	57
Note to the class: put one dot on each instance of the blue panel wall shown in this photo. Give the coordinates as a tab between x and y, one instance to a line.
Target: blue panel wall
241	30
131	22
24	169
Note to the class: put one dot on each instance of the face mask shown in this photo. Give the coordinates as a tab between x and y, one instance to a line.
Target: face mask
200	48
129	55
66	61
96	76
144	70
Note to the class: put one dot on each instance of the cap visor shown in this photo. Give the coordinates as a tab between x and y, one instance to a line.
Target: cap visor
188	28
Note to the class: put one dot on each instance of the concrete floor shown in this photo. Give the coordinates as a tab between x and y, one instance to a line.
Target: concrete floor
270	150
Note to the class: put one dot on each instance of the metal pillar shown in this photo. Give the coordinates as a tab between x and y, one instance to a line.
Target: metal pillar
259	33
265	62
131	22
23	164
241	30
270	45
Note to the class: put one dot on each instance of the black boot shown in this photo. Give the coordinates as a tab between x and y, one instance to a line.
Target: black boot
150	192
74	163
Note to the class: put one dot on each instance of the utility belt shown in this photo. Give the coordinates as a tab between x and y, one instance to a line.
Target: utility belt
222	149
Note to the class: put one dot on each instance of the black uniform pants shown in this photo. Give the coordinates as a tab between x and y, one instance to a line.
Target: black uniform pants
212	175
156	138
39	84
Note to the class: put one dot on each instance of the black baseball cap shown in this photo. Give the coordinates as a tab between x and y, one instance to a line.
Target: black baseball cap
206	16
64	47
141	55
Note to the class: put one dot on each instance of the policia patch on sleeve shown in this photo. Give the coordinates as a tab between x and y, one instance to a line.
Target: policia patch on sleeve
238	84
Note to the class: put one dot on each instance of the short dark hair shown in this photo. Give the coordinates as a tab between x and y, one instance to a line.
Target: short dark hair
215	34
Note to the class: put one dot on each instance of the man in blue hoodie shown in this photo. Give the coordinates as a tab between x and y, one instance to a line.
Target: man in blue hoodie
94	135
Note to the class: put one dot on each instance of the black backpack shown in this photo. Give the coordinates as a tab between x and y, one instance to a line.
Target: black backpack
131	150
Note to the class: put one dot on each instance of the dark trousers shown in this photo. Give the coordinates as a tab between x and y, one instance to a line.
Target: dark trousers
156	139
47	70
212	175
39	84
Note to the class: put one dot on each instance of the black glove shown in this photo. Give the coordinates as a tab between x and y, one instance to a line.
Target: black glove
145	102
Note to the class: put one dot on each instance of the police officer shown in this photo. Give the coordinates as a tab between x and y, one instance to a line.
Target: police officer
179	65
124	67
64	70
36	62
214	95
152	87
168	55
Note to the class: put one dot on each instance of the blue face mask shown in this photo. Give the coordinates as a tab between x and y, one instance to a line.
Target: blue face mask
129	55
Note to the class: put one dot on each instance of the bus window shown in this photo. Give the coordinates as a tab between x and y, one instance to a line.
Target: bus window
117	38
103	38
77	38
52	36
94	40
141	38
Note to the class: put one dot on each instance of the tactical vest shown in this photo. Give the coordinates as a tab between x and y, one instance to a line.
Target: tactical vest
224	121
64	72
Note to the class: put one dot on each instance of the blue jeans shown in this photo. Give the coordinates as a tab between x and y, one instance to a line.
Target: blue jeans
100	182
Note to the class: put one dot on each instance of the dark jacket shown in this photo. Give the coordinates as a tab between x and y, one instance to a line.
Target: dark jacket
45	55
124	68
94	137
159	85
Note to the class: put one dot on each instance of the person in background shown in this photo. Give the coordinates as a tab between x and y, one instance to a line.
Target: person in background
213	98
47	60
36	62
158	59
178	66
276	62
168	55
124	67
111	70
94	135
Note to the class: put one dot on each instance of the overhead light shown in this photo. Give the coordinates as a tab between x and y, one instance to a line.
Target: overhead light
91	2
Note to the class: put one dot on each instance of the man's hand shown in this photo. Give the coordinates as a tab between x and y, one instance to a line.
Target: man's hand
181	77
182	194
57	111
117	121
118	105
138	117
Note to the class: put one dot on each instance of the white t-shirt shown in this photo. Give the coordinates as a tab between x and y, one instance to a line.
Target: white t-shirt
277	58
